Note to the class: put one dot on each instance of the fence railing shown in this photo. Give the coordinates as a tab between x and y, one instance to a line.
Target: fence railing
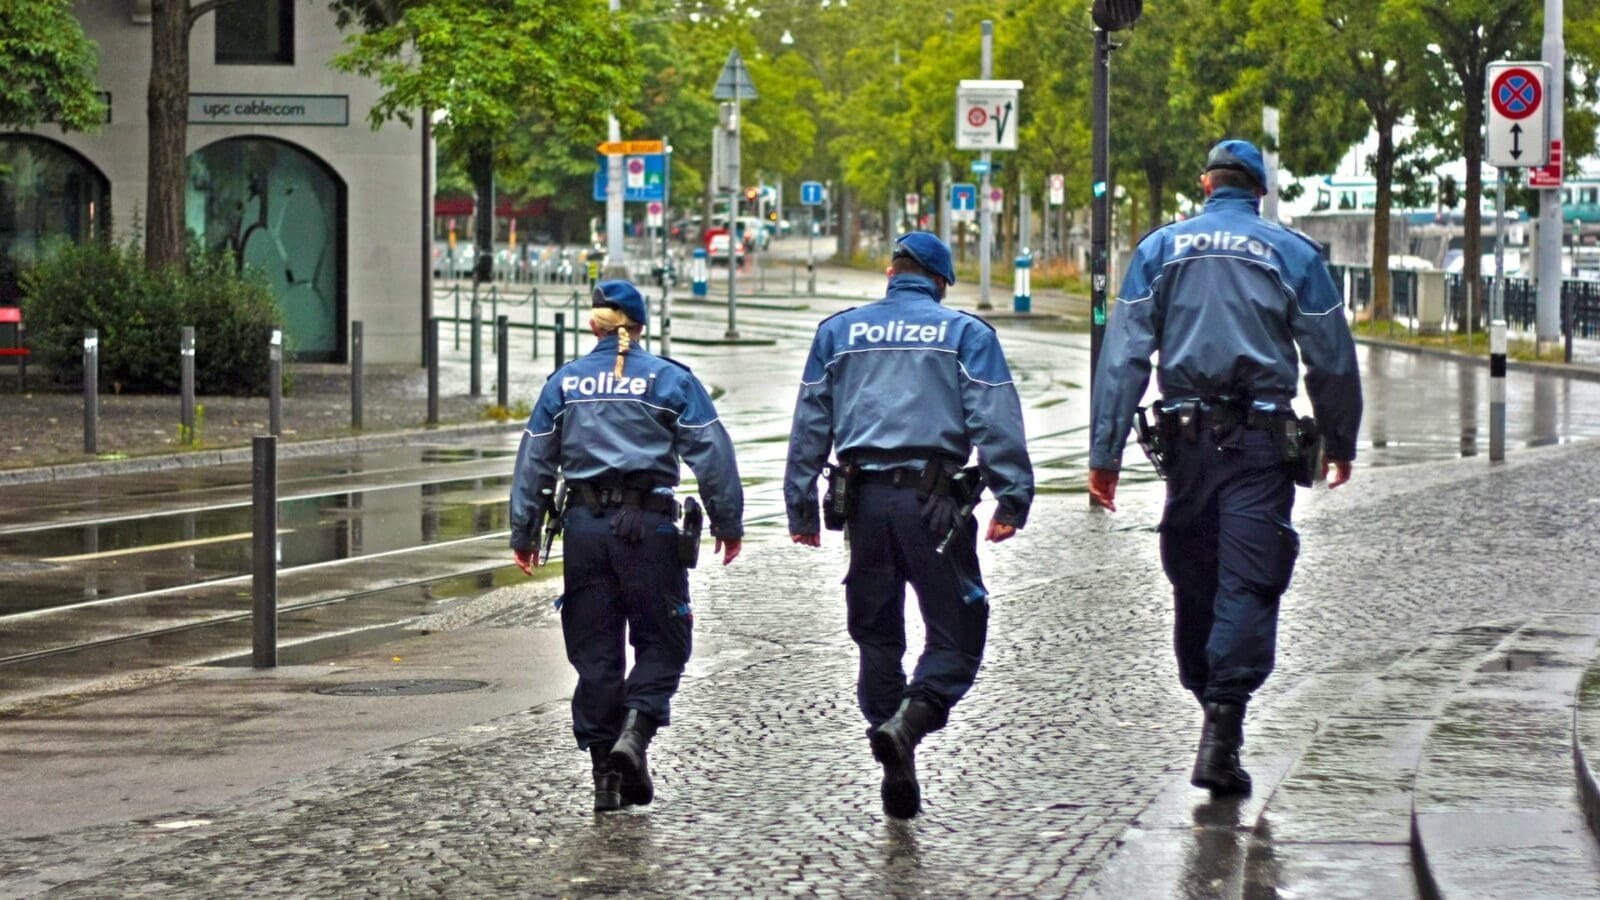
1580	300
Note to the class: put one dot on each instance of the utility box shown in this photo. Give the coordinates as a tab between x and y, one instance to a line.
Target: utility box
1431	302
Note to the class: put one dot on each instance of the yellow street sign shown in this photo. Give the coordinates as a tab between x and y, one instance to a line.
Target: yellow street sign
631	148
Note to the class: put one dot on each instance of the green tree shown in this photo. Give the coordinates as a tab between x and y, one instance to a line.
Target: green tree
50	67
1369	49
489	66
1466	36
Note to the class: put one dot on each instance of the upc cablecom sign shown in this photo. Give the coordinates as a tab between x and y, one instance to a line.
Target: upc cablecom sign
269	109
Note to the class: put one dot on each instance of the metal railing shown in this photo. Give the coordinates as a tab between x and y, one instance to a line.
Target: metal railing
1580	300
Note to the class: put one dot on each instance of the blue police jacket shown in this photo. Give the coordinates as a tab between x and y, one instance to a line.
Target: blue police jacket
908	377
1225	297
592	425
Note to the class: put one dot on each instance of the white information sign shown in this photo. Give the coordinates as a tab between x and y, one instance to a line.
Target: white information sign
987	114
1515	119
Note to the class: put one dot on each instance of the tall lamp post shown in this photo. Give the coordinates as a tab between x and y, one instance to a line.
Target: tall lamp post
1109	16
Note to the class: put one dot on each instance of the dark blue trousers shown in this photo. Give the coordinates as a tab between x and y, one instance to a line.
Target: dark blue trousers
616	589
889	547
1228	547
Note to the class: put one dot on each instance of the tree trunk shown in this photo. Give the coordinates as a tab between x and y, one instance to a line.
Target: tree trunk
1155	177
849	233
1383	166
480	165
167	113
1472	219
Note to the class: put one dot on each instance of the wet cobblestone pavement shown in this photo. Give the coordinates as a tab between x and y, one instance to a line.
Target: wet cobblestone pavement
765	785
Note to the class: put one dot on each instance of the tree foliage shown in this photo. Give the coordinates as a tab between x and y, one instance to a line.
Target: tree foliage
49	67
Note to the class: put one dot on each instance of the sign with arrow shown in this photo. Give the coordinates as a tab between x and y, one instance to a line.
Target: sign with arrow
1516	126
811	193
987	114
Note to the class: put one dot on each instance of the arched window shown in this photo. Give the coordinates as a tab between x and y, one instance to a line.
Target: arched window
277	207
49	195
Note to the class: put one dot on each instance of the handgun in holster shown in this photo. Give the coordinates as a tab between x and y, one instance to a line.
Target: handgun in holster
839	502
966	486
555	514
1301	446
1152	440
689	534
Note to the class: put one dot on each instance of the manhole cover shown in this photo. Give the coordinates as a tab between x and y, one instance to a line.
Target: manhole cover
401	687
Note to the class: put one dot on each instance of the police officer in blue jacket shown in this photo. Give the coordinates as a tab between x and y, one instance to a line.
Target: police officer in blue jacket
1226	297
904	390
614	424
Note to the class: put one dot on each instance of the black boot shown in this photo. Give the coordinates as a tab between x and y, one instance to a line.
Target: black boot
894	744
607	783
628	758
1216	763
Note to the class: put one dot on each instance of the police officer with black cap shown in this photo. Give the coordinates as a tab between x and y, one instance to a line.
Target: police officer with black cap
1226	297
905	389
614	424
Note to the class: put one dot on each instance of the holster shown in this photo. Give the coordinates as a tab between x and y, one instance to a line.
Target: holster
839	502
689	534
1300	444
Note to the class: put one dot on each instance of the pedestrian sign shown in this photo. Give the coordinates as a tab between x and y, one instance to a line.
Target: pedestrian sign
963	197
811	193
644	178
1518	135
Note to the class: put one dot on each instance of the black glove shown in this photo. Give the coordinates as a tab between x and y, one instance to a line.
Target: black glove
939	514
629	524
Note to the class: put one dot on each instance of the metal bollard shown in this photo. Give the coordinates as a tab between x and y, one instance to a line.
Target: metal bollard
561	345
357	375
91	390
186	384
576	318
699	275
264	552
457	291
502	332
433	370
1022	284
475	339
275	381
534	321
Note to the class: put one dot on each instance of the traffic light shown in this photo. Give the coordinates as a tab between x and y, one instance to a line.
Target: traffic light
752	193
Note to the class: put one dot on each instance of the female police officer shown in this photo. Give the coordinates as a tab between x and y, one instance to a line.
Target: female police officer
614	423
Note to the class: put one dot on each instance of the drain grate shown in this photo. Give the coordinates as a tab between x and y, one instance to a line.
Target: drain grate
401	687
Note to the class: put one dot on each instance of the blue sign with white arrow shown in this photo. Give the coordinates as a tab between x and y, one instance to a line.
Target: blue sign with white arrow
811	193
963	197
980	167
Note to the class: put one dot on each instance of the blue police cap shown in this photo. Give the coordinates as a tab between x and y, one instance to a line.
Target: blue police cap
620	295
1241	156
929	251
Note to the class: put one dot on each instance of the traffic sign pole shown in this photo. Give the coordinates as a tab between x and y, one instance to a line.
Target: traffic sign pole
1547	252
985	217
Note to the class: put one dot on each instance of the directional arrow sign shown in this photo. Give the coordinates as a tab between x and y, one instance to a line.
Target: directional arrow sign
1516	121
811	193
986	114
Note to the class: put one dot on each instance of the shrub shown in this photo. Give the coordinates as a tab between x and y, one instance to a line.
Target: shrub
140	316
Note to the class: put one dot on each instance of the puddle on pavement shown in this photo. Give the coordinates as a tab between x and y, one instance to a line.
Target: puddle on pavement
1518	661
87	562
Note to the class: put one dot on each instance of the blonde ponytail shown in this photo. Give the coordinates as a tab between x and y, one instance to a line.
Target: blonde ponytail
608	320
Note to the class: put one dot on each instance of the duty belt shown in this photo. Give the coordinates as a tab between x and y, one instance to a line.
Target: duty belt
1188	417
600	497
899	477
